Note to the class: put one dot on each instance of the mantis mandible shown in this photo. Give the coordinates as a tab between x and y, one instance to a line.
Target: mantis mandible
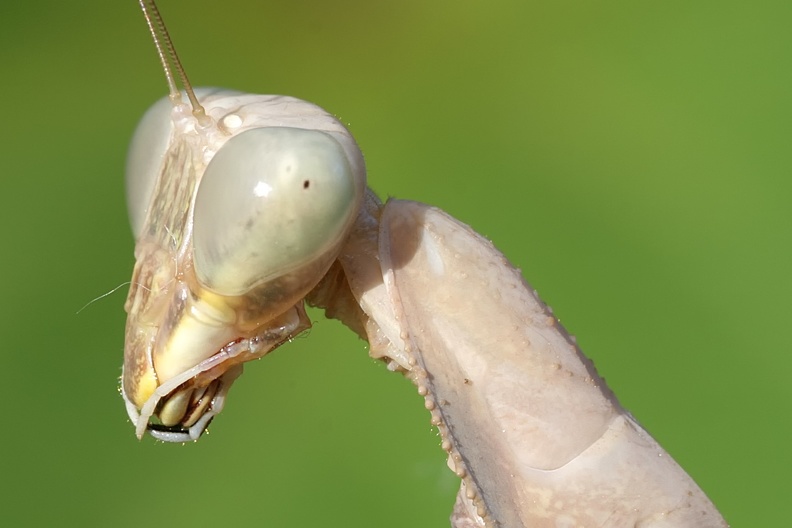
245	207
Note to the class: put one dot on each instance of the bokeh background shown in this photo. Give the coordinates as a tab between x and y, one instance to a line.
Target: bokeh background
633	158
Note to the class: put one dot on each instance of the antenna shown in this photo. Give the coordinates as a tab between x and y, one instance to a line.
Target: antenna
170	60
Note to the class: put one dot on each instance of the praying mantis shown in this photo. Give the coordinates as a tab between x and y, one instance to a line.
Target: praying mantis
246	207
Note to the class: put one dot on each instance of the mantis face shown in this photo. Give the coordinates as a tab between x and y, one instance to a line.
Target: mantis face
237	216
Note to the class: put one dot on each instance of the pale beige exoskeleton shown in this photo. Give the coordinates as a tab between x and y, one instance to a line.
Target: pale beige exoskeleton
246	206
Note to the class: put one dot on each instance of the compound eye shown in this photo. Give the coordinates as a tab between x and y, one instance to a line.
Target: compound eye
144	161
270	201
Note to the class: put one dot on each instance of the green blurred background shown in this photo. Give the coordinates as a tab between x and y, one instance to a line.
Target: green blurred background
633	159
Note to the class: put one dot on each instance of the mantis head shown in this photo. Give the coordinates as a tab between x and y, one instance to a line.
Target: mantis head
239	204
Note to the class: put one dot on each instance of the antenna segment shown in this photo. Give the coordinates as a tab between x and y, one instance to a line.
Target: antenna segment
170	60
